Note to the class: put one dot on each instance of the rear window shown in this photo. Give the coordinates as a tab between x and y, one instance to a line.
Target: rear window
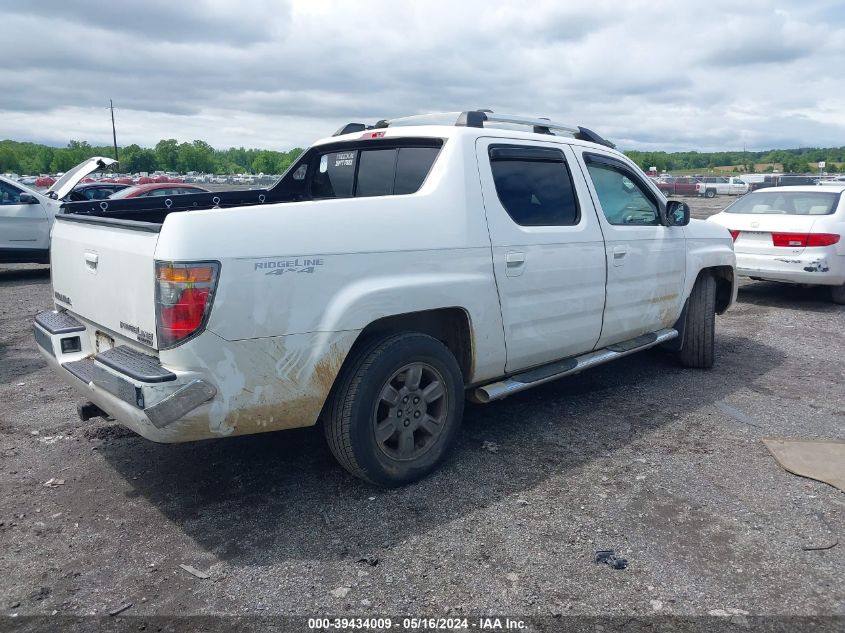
335	175
370	172
774	202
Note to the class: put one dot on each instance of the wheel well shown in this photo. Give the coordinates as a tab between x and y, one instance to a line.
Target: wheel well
450	326
724	276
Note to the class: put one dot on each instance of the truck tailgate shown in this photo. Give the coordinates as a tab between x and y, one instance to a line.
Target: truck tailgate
104	271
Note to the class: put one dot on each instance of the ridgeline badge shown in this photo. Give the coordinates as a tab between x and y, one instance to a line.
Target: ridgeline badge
295	265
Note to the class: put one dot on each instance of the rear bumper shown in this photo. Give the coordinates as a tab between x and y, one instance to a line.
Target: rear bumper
132	387
209	387
814	269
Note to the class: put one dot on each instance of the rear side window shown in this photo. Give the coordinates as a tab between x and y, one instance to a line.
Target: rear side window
534	185
372	171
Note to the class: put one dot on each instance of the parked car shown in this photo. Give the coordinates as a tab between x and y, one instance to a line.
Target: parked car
679	186
157	189
710	186
42	182
95	191
26	215
781	180
790	234
388	274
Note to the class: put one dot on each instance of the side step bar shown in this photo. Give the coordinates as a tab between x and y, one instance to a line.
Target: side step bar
567	367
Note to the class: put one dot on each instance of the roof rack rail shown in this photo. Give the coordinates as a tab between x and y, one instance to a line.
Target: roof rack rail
477	118
541	125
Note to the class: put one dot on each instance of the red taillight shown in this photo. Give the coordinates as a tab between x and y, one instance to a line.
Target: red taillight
734	234
800	240
822	239
184	293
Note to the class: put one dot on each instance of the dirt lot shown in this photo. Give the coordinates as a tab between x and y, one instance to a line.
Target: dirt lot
662	464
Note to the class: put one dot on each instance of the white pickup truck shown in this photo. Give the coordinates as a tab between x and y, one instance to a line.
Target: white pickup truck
710	186
391	271
26	215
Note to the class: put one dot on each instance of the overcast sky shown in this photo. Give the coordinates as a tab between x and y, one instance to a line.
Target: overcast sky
268	73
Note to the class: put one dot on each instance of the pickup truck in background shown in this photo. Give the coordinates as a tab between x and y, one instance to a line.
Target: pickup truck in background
391	272
710	186
26	215
679	186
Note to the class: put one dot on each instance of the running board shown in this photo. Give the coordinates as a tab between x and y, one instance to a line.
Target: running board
567	367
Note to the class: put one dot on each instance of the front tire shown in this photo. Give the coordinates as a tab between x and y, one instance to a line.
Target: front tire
697	348
837	294
396	409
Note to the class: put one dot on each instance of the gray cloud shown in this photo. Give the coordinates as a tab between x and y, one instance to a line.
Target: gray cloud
652	74
161	20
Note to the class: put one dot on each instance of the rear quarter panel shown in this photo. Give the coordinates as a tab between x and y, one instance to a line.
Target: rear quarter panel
335	266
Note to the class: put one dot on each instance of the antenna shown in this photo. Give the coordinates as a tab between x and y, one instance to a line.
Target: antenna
113	132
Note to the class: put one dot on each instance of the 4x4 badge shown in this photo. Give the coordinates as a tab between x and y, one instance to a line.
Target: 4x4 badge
282	271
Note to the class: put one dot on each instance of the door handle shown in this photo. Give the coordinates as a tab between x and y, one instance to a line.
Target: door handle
514	262
619	253
91	260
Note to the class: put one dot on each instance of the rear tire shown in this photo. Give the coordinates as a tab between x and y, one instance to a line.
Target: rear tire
837	294
395	411
710	193
697	348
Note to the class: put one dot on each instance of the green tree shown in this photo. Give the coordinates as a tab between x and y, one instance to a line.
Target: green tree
167	154
265	162
9	160
135	159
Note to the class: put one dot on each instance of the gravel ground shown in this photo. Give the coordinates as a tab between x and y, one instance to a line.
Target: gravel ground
663	465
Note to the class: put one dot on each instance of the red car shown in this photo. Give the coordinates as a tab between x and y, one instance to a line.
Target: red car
158	189
683	186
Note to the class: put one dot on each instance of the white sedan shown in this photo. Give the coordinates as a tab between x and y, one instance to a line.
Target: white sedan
790	234
26	215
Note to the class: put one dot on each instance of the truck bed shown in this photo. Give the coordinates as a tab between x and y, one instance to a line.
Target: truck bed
154	209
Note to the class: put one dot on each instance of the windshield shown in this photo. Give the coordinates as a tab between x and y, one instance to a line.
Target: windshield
786	203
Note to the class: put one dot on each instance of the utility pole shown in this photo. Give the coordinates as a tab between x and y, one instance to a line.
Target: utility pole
113	132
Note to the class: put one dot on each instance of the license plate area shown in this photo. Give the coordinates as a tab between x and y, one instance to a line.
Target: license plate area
103	342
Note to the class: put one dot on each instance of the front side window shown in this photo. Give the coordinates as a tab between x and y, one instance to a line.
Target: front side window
534	185
9	194
623	200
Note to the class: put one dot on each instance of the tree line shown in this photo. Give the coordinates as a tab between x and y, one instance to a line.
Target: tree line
793	160
167	155
199	156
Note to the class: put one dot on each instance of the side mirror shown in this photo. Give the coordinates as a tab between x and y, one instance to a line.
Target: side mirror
27	198
677	213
